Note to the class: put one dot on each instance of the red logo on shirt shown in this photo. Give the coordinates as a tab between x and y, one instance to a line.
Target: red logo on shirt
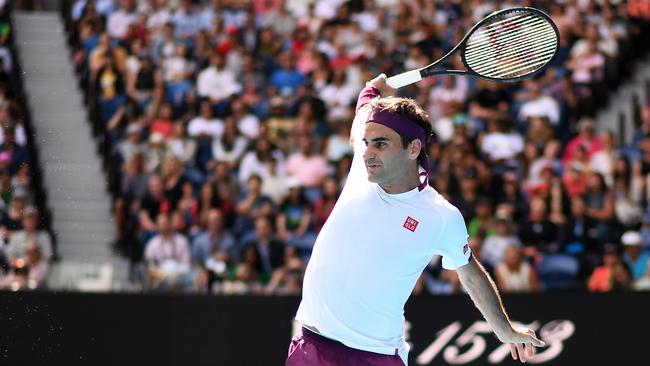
411	224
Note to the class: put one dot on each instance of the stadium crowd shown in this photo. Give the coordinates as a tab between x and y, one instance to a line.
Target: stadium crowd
25	249
226	127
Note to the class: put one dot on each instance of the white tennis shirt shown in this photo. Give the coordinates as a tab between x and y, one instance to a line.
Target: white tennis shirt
368	257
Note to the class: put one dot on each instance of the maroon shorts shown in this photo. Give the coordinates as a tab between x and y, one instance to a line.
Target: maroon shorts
311	349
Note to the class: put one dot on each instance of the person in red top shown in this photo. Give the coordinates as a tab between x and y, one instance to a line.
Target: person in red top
586	139
164	123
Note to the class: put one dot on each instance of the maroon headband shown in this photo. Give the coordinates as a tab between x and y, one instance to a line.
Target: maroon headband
407	128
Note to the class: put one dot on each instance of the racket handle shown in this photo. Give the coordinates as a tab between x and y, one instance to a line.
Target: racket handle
404	79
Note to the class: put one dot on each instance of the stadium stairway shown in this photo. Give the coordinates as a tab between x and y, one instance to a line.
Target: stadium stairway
621	114
72	173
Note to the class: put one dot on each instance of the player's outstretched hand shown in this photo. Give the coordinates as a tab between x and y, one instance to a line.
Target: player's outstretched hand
380	83
522	344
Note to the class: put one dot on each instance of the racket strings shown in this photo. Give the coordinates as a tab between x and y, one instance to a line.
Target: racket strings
511	47
512	53
504	52
500	37
505	32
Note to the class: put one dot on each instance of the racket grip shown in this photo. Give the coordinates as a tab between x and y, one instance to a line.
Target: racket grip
404	79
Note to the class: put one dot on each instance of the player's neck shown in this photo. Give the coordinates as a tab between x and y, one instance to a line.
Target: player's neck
405	182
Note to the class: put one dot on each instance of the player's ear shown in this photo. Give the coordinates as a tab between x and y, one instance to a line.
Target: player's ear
415	146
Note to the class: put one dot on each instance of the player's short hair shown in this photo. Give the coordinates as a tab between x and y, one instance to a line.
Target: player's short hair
408	108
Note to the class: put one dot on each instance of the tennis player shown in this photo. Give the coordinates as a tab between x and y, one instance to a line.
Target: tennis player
382	233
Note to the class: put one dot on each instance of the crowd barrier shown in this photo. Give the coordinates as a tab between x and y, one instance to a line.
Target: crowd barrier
41	328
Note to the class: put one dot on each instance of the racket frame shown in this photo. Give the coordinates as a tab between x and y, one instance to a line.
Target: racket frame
412	76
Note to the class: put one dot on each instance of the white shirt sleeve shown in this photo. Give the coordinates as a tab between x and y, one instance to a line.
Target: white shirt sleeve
357	177
452	244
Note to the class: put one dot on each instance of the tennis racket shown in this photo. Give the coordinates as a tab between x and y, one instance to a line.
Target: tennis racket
508	45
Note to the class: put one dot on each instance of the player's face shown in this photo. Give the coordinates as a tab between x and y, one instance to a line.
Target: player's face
385	157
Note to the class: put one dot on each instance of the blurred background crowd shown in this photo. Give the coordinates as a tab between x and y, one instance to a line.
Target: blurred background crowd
25	249
225	125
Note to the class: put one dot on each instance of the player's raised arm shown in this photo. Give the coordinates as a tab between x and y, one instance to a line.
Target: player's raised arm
484	293
374	88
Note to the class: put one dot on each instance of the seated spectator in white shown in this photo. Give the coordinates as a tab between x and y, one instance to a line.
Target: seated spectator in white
310	168
168	257
159	15
247	123
17	247
634	255
338	144
178	67
549	160
120	20
494	246
217	82
588	66
608	46
275	185
132	145
446	99
604	160
338	96
515	274
214	242
155	152
254	162
205	125
539	104
181	146
500	143
230	147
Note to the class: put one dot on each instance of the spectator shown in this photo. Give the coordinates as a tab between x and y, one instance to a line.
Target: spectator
109	87
254	162
287	280
634	255
275	185
294	220
168	257
538	234
494	247
120	20
252	206
286	78
270	252
586	140
514	274
230	147
20	240
307	167
214	242
217	83
602	279
538	104
29	273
